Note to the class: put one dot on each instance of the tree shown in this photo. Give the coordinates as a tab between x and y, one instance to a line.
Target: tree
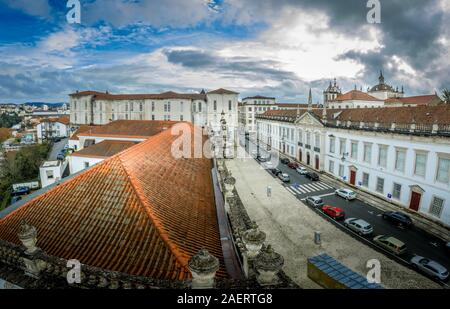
446	95
4	134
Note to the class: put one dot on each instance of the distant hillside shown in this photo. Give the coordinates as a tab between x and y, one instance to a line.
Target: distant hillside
39	104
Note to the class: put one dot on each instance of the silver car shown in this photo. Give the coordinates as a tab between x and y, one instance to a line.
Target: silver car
430	267
314	201
359	226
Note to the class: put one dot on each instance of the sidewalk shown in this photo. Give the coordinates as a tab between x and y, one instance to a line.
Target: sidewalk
290	227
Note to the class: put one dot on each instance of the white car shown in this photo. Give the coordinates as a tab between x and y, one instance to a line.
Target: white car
301	170
430	267
346	193
359	226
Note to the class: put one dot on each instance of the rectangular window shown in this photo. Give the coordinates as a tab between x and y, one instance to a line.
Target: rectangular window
215	105
421	164
132	107
199	107
400	157
380	185
153	106
49	174
443	173
354	152
382	156
153	117
436	207
181	118
141	107
367	153
308	138
397	191
317	140
300	136
341	146
168	106
126	107
230	106
365	180
332	144
181	107
331	167
86	164
341	170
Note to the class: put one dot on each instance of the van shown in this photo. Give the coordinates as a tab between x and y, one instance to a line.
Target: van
391	244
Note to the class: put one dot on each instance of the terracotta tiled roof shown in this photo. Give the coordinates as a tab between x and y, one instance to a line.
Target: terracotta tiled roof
129	128
142	212
416	100
296	105
64	120
222	91
158	96
259	97
439	114
104	149
356	95
80	130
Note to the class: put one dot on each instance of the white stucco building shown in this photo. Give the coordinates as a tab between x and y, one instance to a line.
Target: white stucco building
53	127
252	106
202	109
51	172
401	155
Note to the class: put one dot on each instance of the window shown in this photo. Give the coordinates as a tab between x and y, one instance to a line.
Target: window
249	109
126	107
354	153
126	116
341	170
230	106
181	107
153	117
365	180
396	192
300	136
367	153
153	106
86	164
215	105
132	107
400	156
332	144
380	185
181	118
113	117
331	167
382	156
341	146
49	174
308	138
86	118
141	107
168	106
443	173
199	107
421	163
436	207
317	140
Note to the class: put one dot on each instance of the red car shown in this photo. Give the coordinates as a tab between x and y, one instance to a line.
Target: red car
293	165
333	212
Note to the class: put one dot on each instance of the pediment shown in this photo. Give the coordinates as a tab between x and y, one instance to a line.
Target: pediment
308	119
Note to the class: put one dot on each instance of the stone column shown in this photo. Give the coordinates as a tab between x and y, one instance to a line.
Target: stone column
203	267
268	263
253	240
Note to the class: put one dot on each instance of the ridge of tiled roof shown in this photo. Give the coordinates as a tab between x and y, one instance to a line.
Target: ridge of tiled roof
81	129
104	149
124	215
222	91
356	95
259	97
63	120
129	128
156	96
439	114
417	100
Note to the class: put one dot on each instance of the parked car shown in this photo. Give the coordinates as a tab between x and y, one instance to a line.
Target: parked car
314	201
60	156
398	218
15	199
56	139
430	267
285	161
261	159
346	193
313	176
284	177
21	191
359	226
333	212
66	146
302	170
275	171
391	244
293	165
268	165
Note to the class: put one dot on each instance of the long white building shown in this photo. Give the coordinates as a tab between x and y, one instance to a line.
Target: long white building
399	154
202	109
252	106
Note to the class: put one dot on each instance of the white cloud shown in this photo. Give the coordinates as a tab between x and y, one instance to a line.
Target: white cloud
35	7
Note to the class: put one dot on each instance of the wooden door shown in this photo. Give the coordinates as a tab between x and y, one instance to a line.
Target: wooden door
352	177
415	201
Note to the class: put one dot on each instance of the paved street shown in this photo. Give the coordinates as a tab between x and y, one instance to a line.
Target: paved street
56	148
418	241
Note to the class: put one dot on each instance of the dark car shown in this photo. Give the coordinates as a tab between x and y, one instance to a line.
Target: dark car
397	218
57	139
15	199
21	191
293	165
313	176
60	156
333	212
262	159
275	171
285	161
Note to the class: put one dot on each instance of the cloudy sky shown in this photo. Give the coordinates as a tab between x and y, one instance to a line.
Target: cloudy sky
279	48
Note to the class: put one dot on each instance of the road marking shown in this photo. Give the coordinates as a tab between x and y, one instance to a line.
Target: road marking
328	194
290	190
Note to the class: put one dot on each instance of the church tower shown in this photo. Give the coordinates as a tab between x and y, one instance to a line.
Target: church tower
331	93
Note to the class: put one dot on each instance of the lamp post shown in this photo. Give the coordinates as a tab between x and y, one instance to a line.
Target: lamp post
224	133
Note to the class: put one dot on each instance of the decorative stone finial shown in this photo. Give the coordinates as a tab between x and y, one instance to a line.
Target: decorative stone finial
28	237
268	263
203	267
253	240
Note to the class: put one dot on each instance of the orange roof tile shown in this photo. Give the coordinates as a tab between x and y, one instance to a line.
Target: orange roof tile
415	100
80	130
356	95
129	128
104	149
63	120
222	91
141	212
157	96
